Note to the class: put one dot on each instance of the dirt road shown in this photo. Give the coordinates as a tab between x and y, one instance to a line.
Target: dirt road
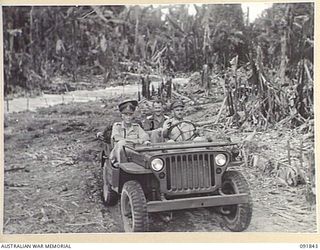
52	181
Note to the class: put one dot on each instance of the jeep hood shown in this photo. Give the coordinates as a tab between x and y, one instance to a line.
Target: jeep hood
180	147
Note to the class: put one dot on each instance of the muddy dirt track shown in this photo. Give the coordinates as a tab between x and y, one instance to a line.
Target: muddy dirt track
52	180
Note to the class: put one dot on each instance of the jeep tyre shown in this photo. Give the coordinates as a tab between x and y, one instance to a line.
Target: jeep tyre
102	158
109	197
236	217
104	155
134	208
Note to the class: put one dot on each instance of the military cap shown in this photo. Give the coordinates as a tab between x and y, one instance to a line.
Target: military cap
176	104
128	105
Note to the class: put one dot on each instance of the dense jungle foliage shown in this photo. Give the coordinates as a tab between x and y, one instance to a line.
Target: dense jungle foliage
273	56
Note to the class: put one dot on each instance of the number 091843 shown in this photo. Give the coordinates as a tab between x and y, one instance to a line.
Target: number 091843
308	246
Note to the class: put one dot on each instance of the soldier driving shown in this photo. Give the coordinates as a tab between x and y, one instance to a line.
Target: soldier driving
176	128
126	131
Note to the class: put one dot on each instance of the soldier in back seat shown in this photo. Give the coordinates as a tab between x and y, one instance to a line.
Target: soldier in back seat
153	123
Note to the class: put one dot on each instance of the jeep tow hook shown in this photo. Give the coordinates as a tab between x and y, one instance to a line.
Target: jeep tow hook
220	192
223	211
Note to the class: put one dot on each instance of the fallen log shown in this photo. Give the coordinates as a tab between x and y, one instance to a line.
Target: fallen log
207	122
308	72
221	108
55	206
137	77
181	96
11	169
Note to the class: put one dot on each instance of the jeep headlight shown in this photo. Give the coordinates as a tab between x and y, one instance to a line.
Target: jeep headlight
157	164
220	159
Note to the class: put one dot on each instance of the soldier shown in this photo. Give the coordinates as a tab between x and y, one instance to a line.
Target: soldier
153	123
126	131
183	131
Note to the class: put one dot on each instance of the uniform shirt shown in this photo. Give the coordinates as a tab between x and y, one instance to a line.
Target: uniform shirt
153	122
133	133
182	132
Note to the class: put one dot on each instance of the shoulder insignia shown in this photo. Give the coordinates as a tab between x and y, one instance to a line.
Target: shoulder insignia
149	117
117	124
165	116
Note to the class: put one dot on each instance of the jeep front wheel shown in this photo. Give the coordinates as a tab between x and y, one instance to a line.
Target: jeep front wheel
134	207
236	217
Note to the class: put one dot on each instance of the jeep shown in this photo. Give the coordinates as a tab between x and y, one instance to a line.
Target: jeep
172	176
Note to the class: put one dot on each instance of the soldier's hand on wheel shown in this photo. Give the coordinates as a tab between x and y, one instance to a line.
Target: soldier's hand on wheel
100	136
169	124
147	143
197	131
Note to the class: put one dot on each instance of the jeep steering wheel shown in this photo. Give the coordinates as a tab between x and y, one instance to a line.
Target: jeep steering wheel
181	132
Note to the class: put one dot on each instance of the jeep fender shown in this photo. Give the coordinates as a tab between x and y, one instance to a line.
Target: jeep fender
115	174
133	168
131	171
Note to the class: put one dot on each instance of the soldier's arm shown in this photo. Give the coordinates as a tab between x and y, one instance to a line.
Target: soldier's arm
116	133
146	124
143	136
166	125
160	129
106	134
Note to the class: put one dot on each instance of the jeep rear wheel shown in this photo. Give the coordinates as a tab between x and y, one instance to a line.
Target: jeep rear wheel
109	197
134	207
236	217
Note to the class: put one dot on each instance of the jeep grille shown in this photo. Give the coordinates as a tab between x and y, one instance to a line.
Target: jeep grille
187	173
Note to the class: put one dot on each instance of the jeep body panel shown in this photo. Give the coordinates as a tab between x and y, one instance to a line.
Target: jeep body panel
190	172
189	167
179	145
196	202
192	176
142	155
133	168
112	174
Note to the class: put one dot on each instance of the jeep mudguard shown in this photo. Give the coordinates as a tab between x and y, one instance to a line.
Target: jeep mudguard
109	196
117	175
112	174
133	168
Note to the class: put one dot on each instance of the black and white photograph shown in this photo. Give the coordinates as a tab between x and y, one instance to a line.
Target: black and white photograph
159	118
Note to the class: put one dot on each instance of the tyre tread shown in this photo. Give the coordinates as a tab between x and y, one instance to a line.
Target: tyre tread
139	203
245	208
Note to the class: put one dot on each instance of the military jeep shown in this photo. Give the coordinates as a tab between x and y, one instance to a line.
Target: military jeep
173	176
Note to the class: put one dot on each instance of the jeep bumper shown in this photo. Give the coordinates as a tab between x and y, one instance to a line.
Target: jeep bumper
196	202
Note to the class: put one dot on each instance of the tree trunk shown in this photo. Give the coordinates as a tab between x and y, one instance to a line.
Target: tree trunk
283	63
283	41
31	38
136	36
74	49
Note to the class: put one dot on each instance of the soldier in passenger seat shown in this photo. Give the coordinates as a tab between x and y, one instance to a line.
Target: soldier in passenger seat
126	131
